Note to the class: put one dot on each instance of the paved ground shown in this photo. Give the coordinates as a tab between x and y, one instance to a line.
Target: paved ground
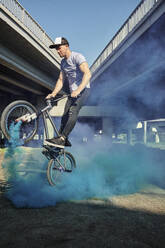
127	221
136	220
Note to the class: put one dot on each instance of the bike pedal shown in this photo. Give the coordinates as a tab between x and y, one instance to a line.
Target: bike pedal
68	170
46	147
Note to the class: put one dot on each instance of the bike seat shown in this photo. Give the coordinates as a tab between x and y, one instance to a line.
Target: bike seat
67	143
51	148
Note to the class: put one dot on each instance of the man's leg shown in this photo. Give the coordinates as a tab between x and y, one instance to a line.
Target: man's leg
69	119
64	119
65	116
73	112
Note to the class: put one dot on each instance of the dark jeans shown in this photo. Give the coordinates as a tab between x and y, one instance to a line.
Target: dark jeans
71	111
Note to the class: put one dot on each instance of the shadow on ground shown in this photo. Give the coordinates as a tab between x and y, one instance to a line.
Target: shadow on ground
88	223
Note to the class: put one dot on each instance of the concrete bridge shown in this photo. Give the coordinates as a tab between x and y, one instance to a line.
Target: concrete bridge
28	68
130	65
130	72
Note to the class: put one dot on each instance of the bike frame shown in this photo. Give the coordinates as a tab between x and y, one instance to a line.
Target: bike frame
45	115
59	159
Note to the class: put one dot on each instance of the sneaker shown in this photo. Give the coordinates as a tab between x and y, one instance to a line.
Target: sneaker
58	142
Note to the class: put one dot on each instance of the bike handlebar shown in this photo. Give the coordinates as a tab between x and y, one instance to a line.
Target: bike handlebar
60	98
54	99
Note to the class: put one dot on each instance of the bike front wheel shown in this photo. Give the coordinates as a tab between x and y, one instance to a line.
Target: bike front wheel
64	162
15	110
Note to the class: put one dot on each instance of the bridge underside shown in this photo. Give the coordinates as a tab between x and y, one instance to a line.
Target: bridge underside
135	82
25	73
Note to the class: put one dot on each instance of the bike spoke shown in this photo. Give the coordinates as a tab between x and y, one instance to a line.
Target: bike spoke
63	162
14	111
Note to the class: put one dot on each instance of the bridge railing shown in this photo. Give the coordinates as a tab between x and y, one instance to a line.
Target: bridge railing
141	11
24	17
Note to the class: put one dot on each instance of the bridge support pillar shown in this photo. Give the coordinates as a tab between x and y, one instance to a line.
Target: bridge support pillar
107	126
129	136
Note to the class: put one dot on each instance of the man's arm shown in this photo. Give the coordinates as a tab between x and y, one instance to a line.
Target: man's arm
58	86
85	80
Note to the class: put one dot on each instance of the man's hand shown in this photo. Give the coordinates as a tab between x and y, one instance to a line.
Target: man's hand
75	93
50	96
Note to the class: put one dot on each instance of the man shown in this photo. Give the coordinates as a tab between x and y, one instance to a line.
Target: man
75	71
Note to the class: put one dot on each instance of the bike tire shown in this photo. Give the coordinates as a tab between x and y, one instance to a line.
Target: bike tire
13	111
53	172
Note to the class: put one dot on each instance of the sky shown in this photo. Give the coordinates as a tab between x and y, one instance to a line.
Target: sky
88	25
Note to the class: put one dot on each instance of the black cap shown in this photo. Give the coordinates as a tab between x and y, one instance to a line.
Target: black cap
58	42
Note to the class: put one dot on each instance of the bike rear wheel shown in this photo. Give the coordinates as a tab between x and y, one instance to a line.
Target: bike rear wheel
13	111
64	162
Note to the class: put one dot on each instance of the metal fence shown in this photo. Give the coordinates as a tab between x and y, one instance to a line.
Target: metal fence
24	17
139	13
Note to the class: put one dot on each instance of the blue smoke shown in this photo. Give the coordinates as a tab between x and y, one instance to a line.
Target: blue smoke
103	170
14	134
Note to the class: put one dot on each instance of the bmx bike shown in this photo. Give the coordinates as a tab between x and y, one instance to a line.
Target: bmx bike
59	160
